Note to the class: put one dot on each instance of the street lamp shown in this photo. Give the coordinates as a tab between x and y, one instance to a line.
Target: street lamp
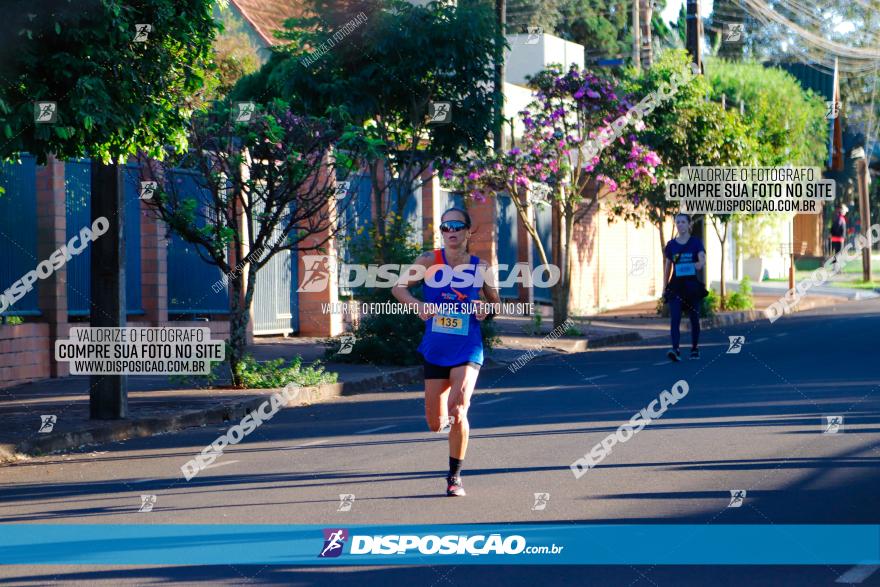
861	162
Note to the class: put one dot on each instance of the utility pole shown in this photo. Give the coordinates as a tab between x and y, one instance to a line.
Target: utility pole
694	32
498	138
694	36
645	17
108	394
864	208
636	29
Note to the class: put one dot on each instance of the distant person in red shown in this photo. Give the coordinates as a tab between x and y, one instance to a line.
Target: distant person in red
838	229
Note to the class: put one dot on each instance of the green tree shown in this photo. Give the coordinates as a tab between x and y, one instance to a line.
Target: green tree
787	120
386	61
687	130
114	96
268	180
235	56
603	27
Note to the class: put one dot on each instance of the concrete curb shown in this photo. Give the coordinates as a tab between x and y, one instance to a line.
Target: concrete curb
574	345
236	410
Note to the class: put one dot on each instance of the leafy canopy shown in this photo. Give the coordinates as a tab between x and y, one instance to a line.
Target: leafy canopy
114	95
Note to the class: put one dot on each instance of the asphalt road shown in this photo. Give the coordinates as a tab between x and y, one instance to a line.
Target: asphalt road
751	420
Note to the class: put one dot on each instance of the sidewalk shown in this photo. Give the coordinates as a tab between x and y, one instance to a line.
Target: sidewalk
778	288
158	405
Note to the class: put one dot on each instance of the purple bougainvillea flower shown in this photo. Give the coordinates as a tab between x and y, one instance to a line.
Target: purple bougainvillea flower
651	158
592	94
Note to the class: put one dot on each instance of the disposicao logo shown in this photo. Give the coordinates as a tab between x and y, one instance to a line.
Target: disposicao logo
335	538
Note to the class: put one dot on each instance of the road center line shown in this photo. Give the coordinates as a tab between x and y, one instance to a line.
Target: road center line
375	429
311	443
762	339
661	363
857	574
630	370
493	401
594	377
220	464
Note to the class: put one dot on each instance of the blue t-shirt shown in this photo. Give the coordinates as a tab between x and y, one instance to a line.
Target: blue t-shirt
454	338
684	256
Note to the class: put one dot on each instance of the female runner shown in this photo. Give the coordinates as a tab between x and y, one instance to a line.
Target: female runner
452	346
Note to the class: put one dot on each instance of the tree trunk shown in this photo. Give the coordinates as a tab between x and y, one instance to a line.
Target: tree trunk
563	219
723	285
722	238
238	322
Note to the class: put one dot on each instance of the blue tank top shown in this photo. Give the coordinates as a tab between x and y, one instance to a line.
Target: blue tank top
443	343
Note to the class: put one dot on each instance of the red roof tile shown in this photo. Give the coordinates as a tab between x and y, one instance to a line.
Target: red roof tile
268	16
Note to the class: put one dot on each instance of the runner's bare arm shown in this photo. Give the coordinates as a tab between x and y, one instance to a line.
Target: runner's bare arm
400	291
701	260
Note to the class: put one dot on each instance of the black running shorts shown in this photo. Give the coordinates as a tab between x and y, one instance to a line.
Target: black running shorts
433	371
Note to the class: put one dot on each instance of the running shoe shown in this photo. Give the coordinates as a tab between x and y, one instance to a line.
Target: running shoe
454	488
695	354
674	355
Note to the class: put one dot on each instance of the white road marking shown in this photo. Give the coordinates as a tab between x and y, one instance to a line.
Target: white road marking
375	429
782	334
220	464
630	370
493	401
661	363
594	377
857	574
761	339
311	443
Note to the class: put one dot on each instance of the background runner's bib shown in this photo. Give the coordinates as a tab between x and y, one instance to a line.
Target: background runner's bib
685	269
451	338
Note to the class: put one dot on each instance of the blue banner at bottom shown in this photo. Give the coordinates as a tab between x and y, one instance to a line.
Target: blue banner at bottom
542	544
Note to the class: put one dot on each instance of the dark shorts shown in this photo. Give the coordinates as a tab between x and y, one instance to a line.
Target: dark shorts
433	371
836	246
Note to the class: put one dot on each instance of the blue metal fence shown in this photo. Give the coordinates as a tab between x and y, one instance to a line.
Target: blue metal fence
543	224
412	210
191	280
77	179
508	241
18	230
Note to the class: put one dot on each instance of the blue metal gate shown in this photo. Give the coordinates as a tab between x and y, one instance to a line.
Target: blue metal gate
18	230
78	190
192	281
508	241
543	225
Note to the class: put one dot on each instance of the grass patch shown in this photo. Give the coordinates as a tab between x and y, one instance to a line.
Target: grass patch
869	285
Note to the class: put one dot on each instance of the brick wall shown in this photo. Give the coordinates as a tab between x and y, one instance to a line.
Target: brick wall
24	353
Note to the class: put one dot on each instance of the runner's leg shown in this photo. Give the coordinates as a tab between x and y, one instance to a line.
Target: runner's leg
675	320
694	313
462	381
436	391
